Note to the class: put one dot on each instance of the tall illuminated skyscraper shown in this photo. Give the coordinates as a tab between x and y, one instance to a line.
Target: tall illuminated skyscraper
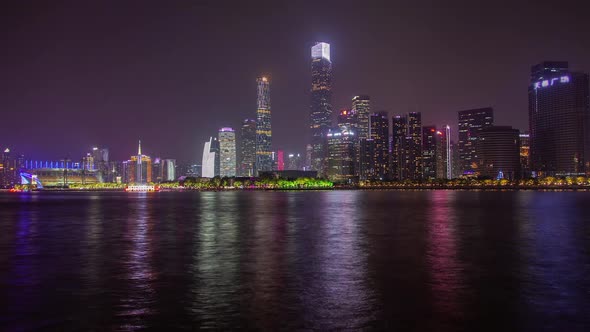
263	127
471	123
399	125
361	105
414	146
379	133
210	163
140	168
429	152
449	153
321	104
247	153
341	158
227	152
559	120
168	169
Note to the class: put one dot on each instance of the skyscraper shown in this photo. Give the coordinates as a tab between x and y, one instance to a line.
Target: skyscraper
247	152
559	120
525	147
168	169
499	151
414	146
348	118
211	158
263	126
399	131
227	152
341	154
294	162
140	168
448	154
361	105
366	159
101	164
321	103
429	152
157	170
379	133
471	122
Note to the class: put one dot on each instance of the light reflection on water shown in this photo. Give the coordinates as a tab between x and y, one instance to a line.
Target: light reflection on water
373	260
136	304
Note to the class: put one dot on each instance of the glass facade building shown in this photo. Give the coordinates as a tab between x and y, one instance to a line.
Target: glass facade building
341	154
379	133
361	105
227	152
263	127
471	122
559	120
247	153
499	152
321	104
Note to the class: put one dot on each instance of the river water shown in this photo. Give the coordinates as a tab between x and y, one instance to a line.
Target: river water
316	260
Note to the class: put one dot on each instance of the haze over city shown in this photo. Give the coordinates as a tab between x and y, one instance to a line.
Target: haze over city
77	75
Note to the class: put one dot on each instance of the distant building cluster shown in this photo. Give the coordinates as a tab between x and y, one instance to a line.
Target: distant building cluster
360	144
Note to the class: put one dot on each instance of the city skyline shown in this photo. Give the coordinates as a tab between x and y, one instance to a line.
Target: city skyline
161	95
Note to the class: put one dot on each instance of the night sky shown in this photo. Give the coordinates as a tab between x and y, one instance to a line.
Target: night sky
84	73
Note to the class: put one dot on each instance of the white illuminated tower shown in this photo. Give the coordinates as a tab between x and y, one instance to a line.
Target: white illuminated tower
449	152
209	156
138	170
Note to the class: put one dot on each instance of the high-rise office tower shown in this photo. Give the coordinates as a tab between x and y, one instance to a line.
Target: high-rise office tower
361	105
321	104
227	152
101	164
210	165
294	162
559	120
140	168
471	122
349	119
499	150
399	132
10	169
366	159
341	154
247	148
525	146
157	170
414	146
308	154
379	133
168	169
263	126
445	164
429	152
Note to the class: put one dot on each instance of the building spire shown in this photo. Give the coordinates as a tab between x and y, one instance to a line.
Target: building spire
139	149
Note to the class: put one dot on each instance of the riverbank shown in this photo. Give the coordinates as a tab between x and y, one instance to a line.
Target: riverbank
366	188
